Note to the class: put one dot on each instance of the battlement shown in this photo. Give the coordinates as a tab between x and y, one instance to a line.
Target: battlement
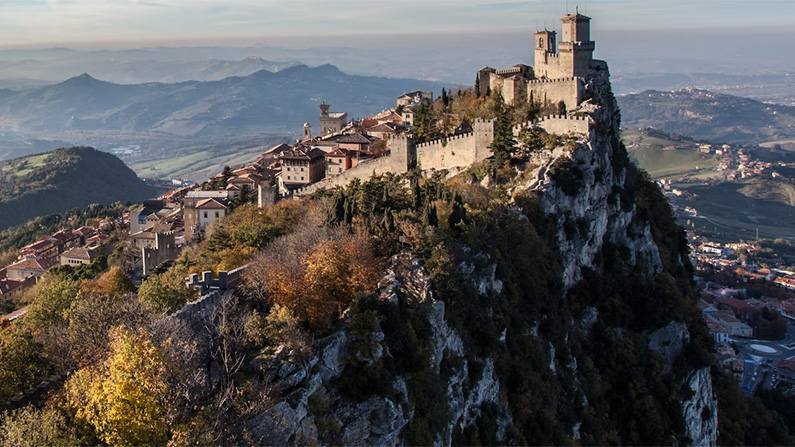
553	81
446	140
559	124
570	46
510	71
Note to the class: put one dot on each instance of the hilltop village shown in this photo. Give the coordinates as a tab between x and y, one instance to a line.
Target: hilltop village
159	229
339	153
515	212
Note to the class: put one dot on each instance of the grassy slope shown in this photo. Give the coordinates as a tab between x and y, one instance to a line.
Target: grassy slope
729	211
64	179
648	151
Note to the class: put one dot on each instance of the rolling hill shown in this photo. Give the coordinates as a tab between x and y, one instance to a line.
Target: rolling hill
704	115
66	178
263	102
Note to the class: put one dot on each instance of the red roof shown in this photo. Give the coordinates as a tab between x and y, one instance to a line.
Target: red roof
354	138
210	204
337	153
734	303
9	285
32	264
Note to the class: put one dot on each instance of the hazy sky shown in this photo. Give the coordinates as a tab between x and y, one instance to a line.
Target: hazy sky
38	23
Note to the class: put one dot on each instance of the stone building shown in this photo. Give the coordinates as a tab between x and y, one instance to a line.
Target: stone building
559	71
79	255
301	167
330	122
194	219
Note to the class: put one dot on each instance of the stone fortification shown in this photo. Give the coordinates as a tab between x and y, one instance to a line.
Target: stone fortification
445	153
569	90
558	124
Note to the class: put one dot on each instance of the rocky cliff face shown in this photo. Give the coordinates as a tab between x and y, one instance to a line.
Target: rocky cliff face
462	388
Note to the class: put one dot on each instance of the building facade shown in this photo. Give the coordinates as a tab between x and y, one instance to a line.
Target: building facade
331	122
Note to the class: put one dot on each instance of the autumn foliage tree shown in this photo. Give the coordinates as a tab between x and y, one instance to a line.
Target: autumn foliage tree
314	272
128	398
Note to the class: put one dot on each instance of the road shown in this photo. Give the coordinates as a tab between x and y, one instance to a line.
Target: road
758	363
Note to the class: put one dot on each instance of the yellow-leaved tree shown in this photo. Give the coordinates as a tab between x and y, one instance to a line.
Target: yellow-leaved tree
128	399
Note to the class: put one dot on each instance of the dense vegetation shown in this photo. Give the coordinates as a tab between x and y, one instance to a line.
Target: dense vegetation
66	178
574	366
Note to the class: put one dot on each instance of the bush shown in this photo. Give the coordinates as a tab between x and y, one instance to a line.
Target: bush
567	176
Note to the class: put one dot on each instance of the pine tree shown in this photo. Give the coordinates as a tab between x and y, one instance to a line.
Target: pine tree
445	99
504	143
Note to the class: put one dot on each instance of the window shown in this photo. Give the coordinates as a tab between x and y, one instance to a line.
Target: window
340	169
205	214
302	177
302	170
217	214
288	177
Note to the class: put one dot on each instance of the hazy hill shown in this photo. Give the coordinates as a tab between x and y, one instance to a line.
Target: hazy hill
705	115
66	178
259	103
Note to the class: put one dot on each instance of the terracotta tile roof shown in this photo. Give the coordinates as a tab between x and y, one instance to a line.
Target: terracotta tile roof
301	153
15	314
278	149
87	231
734	303
337	153
32	264
383	127
210	204
79	253
355	138
99	237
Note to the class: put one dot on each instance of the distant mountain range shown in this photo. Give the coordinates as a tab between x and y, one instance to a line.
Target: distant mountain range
67	178
134	67
705	115
262	102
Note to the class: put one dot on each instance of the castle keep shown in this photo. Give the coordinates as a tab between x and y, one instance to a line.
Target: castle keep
559	70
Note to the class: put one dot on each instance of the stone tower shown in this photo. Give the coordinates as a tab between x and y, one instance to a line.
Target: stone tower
331	122
576	48
307	131
574	54
546	46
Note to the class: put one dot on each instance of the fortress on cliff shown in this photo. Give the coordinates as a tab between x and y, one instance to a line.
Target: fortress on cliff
559	71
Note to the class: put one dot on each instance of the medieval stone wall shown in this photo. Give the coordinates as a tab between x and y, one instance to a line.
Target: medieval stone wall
569	90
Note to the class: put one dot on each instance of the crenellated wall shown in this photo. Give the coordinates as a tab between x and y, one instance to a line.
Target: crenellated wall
459	150
569	90
558	124
444	153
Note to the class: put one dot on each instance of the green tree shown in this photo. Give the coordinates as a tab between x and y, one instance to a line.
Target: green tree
166	292
31	426
424	124
504	143
22	363
52	297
